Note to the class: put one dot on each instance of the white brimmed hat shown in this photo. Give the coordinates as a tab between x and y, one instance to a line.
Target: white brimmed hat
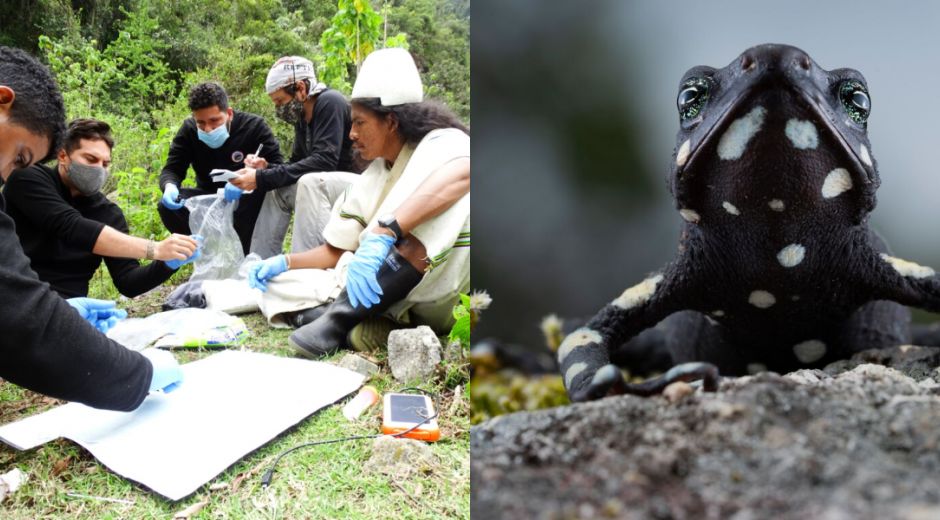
391	76
288	70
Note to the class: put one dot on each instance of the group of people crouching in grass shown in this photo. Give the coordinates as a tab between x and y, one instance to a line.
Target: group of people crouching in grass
378	187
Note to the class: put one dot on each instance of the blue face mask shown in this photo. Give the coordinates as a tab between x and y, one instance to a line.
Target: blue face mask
215	138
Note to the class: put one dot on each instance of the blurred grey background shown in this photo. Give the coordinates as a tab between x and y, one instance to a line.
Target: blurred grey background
574	123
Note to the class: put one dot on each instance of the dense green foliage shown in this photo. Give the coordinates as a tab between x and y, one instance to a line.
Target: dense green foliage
131	63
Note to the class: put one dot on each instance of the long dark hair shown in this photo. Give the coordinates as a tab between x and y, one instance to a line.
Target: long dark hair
415	120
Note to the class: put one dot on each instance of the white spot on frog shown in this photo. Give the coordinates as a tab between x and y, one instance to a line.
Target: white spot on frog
573	371
809	351
837	182
776	205
791	255
578	338
761	299
690	215
638	294
866	158
756	368
730	208
907	268
734	141
802	134
683	154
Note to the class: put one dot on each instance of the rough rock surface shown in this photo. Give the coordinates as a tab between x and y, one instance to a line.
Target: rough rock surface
413	353
453	352
358	364
858	440
400	457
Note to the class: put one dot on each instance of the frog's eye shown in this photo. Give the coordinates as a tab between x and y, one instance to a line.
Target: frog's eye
692	97
854	97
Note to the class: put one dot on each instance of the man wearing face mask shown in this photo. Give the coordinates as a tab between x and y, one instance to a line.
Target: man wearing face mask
67	226
322	149
51	345
215	137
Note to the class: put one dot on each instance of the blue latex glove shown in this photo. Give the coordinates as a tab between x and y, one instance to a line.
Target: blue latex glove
103	314
260	272
232	192
176	264
361	285
170	195
167	374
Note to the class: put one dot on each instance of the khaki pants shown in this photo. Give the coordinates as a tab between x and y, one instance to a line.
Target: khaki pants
312	197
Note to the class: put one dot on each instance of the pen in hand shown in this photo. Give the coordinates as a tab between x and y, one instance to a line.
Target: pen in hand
256	155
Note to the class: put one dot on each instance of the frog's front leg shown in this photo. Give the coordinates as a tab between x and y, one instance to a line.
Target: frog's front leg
584	356
904	281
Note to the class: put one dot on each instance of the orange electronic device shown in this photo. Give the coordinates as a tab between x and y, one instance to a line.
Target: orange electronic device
401	412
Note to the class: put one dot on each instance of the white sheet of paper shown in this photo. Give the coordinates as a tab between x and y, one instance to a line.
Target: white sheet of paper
220	175
229	404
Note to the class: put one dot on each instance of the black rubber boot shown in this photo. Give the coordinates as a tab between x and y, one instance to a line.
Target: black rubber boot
328	333
301	318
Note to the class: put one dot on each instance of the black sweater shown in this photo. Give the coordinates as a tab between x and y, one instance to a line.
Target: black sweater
322	145
47	347
58	233
246	133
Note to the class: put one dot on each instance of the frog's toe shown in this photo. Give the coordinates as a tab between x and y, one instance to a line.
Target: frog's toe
695	371
606	381
706	372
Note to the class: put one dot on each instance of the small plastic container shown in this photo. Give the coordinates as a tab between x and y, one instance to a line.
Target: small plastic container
366	397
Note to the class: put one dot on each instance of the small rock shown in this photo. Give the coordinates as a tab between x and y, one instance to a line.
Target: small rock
358	364
413	353
805	377
677	391
722	409
928	384
10	482
400	457
453	352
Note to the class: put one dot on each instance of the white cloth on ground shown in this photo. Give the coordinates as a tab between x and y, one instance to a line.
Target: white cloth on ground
174	443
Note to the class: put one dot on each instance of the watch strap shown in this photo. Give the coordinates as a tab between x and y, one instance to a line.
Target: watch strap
392	225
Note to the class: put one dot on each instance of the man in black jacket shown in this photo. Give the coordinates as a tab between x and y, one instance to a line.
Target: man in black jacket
67	226
322	151
215	137
46	345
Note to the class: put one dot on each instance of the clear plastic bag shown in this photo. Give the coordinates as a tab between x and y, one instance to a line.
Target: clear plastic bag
211	217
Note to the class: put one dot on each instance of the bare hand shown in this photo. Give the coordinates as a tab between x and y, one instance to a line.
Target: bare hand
256	161
246	179
175	247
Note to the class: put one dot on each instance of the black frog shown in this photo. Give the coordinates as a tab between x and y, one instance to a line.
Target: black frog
776	267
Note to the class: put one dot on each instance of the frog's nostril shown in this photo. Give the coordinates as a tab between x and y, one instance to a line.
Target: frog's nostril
747	62
803	62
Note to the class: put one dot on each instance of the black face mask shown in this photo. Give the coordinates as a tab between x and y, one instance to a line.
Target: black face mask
290	112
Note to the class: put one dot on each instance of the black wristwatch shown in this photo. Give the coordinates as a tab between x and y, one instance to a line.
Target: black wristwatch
388	222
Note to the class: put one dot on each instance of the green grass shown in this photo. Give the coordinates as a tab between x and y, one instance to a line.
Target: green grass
319	482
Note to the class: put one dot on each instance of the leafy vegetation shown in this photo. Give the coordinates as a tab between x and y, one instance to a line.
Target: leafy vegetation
131	63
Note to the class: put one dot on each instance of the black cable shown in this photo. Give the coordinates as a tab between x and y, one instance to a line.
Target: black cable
269	474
